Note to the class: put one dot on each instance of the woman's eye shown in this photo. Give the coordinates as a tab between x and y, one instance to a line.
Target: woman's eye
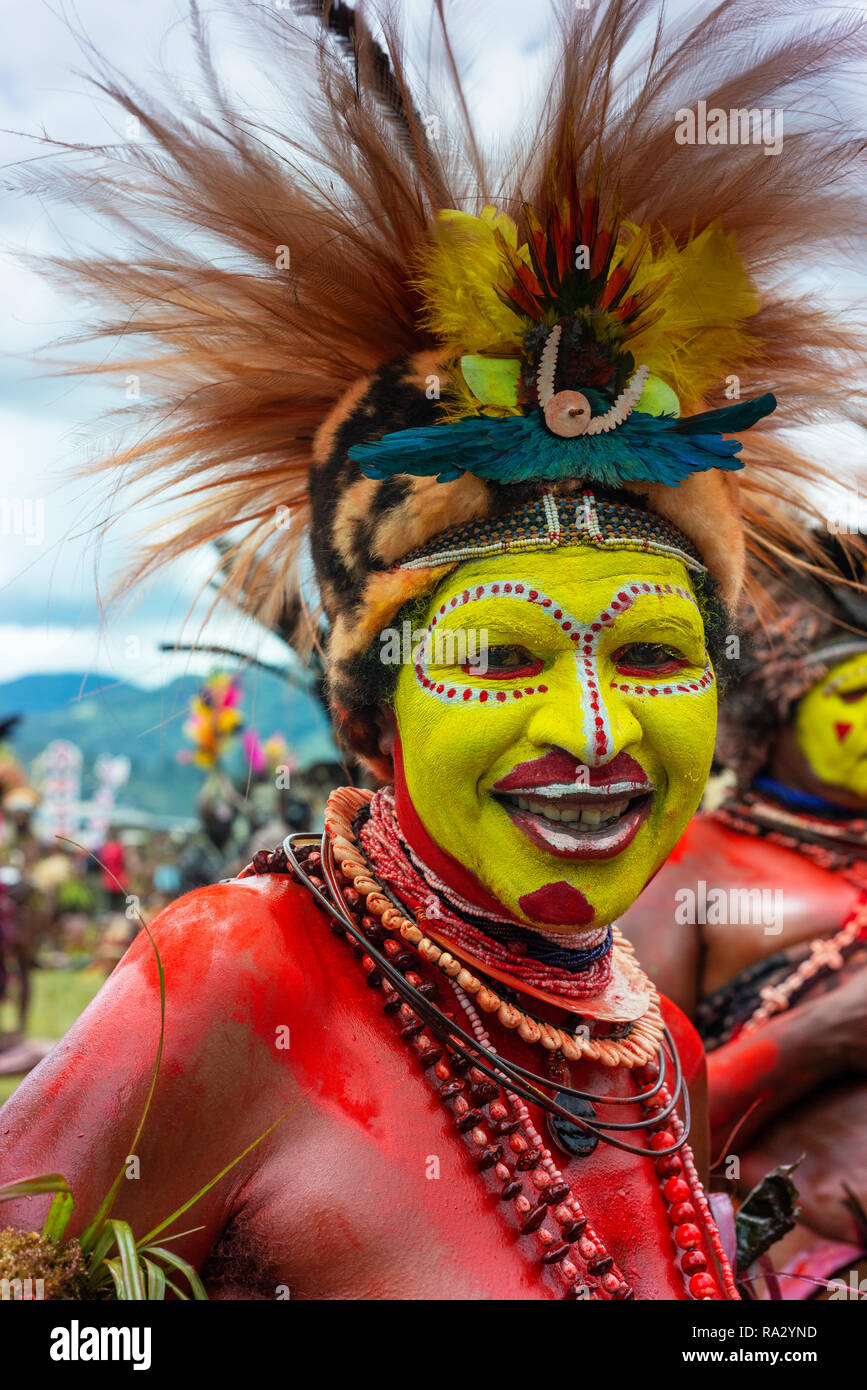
851	697
648	658
504	663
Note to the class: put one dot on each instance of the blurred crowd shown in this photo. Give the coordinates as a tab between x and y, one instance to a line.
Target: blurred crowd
67	907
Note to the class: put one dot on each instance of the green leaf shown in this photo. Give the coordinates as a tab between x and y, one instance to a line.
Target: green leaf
145	1240
104	1242
58	1216
183	1267
132	1272
156	1281
114	1269
180	1234
769	1211
34	1187
174	1288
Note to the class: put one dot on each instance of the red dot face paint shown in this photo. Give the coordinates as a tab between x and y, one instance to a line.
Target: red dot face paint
590	635
831	729
558	905
556	627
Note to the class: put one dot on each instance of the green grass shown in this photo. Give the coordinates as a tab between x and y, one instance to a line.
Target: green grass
58	998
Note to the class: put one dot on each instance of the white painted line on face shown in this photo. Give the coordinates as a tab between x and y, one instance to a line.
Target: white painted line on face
595	721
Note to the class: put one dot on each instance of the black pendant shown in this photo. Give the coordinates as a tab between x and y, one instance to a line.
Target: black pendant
568	1137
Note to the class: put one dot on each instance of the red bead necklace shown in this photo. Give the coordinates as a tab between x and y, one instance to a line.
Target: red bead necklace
497	1125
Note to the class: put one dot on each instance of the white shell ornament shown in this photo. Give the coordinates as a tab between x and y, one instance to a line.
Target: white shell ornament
567	413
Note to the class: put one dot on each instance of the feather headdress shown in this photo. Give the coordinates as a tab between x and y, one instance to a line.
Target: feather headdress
570	304
818	622
327	263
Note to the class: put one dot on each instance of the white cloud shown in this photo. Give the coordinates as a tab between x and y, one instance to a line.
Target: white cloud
128	652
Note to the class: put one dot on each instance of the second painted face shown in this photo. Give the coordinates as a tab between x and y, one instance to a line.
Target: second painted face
561	776
831	728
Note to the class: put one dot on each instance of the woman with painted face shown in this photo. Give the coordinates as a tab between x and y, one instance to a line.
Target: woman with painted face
494	402
765	903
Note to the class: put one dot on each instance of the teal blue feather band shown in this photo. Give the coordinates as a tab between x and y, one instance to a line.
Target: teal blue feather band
521	448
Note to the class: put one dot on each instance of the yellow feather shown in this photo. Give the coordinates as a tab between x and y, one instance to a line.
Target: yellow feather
698	340
459	270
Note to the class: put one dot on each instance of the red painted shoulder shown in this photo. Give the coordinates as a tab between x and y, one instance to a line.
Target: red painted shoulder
233	960
686	1039
728	859
216	939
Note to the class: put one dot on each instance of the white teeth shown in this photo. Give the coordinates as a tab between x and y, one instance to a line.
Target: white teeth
589	817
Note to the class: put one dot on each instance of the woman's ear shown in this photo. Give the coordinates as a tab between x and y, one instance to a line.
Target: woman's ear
386	725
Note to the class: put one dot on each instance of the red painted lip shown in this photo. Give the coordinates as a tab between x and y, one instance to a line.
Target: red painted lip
568	842
560	775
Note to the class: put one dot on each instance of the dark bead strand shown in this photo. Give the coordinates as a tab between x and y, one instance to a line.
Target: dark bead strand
507	1116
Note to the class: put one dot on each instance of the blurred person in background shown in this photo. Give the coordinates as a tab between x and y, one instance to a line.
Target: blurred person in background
757	924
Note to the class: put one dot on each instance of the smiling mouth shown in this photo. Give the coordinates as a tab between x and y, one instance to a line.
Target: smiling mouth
579	827
573	811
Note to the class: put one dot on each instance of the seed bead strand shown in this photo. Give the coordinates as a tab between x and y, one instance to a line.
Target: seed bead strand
602	1278
682	1193
508	1117
639	1048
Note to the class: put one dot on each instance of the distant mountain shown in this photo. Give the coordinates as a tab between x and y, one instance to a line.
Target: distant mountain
32	694
102	716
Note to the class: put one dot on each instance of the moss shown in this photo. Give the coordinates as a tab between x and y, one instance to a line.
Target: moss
60	1264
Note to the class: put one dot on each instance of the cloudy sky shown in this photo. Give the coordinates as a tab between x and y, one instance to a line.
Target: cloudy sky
50	616
50	613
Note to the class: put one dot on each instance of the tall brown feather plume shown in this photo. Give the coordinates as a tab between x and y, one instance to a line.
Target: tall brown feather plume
244	359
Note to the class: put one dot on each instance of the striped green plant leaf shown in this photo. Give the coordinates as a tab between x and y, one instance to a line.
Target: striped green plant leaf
183	1267
34	1187
114	1269
104	1242
132	1272
58	1216
156	1281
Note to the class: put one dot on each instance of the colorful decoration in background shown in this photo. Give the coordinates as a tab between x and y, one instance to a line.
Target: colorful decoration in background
544	337
61	789
111	774
264	759
215	719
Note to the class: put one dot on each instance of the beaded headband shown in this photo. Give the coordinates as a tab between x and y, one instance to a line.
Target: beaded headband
549	522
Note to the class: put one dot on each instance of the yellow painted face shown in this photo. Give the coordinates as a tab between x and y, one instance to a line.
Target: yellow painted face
831	727
563	774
